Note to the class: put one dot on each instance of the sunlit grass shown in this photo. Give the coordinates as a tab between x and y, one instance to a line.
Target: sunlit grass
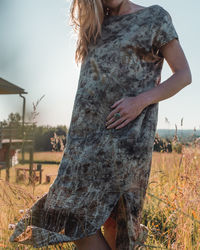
171	210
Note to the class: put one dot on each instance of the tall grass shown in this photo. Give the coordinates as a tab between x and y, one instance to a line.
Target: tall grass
171	210
172	204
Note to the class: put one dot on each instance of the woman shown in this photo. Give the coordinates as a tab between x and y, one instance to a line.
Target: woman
104	172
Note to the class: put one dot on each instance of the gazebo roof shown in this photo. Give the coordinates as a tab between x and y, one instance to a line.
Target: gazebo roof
10	88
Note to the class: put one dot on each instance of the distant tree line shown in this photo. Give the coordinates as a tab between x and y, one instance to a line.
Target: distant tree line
49	138
162	144
46	138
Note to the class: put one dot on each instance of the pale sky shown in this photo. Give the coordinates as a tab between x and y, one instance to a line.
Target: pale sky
37	49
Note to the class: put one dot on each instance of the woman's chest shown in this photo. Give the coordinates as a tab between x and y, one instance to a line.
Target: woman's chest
124	44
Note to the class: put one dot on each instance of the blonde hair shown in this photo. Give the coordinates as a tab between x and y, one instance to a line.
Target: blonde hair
90	15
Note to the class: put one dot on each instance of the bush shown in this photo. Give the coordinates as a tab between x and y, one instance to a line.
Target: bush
177	147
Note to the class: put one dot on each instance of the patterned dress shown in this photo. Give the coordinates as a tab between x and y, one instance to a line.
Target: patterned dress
104	172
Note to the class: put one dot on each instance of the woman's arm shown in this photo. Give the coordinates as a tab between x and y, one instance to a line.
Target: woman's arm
177	61
131	107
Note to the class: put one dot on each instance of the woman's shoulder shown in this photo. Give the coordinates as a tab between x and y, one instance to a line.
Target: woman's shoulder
159	10
155	12
160	15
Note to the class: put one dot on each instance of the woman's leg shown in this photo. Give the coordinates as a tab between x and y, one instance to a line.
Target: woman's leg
110	232
96	241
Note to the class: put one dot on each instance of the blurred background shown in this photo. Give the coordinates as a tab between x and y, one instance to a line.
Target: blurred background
37	53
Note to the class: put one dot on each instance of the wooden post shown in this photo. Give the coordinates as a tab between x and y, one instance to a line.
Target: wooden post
17	171
8	163
30	164
40	176
22	132
16	176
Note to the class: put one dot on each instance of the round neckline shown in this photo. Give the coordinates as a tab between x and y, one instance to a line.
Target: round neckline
129	14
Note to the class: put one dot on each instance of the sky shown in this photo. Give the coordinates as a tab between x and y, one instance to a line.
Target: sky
37	53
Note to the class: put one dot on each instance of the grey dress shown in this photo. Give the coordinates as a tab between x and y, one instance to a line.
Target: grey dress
104	172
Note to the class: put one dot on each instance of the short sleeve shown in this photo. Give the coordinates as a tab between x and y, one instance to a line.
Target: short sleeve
164	30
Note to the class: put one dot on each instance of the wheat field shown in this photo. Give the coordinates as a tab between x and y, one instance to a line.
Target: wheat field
171	210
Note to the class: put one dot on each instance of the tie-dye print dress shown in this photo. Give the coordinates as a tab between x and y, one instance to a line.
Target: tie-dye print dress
104	172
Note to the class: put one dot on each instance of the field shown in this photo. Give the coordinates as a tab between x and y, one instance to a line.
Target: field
172	205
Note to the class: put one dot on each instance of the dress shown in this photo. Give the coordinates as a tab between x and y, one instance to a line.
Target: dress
105	172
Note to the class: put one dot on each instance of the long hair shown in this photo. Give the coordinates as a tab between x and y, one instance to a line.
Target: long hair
86	17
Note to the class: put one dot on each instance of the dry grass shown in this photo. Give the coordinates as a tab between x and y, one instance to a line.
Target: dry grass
171	210
172	204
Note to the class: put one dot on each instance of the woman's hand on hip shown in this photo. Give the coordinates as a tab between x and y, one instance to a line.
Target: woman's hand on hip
128	108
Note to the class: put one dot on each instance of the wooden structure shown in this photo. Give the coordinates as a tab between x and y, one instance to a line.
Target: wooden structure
12	138
34	175
8	88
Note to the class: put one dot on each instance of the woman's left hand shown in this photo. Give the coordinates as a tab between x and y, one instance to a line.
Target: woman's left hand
128	107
